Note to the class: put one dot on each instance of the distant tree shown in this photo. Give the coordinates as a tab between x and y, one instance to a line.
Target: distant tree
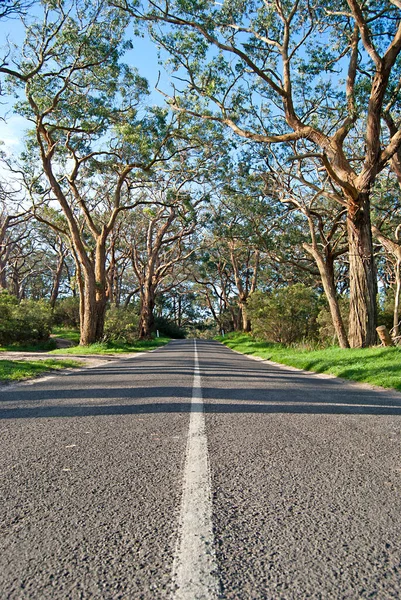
392	249
213	275
160	245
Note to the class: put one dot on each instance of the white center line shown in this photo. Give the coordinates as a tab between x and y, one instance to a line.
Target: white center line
195	570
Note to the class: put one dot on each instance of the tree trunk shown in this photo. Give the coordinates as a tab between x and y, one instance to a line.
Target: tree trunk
93	316
396	318
327	276
16	289
93	298
3	278
92	310
146	319
100	285
246	322
179	316
88	311
363	283
56	283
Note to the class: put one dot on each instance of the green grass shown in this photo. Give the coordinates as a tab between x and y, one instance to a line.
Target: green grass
15	370
29	347
67	333
114	347
377	366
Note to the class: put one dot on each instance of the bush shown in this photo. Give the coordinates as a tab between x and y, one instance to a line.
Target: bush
121	324
25	321
286	315
385	311
66	312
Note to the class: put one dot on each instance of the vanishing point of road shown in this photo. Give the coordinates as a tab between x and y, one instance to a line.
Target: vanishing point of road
193	472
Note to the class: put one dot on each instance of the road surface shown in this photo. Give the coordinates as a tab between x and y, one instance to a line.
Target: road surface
193	472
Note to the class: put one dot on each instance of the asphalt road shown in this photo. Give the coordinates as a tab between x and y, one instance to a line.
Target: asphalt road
301	498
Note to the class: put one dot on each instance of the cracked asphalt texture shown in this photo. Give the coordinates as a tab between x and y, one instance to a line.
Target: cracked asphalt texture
306	479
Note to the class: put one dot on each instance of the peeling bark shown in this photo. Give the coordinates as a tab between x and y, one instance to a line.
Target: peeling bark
363	281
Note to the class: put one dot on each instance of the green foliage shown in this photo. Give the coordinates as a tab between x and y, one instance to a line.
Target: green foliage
121	325
385	314
286	315
27	321
66	312
7	301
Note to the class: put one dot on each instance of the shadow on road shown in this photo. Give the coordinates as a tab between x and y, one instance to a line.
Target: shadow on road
230	384
84	410
125	401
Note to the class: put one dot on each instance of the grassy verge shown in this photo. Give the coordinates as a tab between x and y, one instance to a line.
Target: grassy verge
67	333
114	347
15	370
38	347
377	366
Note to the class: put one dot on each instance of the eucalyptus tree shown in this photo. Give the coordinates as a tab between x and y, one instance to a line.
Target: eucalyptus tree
246	223
56	255
181	306
14	225
214	283
392	248
92	146
227	272
33	260
26	272
118	264
245	264
304	188
160	242
10	232
280	71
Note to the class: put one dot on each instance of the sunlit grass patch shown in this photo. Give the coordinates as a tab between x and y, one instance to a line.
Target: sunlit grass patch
67	333
15	370
115	347
377	366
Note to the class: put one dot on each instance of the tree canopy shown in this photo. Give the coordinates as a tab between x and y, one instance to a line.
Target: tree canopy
272	156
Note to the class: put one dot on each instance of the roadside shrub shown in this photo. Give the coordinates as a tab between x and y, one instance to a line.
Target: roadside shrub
66	312
25	321
286	316
7	304
385	311
121	324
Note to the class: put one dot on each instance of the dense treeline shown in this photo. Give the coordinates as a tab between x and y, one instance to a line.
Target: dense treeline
261	192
